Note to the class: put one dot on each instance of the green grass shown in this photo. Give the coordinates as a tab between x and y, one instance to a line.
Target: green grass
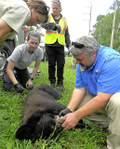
11	104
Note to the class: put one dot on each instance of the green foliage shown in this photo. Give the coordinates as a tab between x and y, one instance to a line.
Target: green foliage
118	49
11	104
103	29
99	18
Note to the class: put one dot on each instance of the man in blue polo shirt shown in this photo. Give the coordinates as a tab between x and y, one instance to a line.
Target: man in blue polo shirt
97	88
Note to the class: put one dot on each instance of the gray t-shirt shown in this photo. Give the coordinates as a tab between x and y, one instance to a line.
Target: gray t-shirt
23	58
16	14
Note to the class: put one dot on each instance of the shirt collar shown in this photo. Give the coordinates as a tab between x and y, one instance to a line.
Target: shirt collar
95	60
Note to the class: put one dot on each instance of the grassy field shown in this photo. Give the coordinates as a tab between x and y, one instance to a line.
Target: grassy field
11	104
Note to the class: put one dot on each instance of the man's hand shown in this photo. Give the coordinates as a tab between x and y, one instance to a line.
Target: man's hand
64	112
19	88
70	121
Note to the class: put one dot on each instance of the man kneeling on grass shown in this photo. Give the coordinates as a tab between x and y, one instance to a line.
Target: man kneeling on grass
97	88
16	65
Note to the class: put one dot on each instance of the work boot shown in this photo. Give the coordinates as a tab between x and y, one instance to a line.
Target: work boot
52	84
60	85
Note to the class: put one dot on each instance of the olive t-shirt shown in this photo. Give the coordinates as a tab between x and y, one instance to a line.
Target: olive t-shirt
16	14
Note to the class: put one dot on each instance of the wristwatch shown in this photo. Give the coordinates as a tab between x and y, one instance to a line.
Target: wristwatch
31	78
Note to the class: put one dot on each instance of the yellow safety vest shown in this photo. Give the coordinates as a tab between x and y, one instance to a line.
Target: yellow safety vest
51	36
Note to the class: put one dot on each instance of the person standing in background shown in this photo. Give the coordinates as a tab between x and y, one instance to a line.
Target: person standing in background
16	13
57	35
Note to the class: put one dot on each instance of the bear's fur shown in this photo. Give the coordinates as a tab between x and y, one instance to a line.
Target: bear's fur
39	114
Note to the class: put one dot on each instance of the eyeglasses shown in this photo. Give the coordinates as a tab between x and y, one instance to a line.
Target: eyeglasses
44	12
56	1
78	45
48	8
46	19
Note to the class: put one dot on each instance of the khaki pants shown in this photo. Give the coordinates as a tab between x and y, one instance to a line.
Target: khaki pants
108	116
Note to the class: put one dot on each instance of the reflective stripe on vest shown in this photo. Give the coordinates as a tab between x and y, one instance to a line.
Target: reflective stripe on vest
51	36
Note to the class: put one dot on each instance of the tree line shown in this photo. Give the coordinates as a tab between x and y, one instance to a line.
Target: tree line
102	30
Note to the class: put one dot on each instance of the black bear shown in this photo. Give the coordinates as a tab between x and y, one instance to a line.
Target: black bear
40	114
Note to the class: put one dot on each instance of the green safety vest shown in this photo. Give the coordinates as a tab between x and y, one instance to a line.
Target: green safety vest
51	36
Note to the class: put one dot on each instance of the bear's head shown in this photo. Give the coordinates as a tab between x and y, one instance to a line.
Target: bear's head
40	125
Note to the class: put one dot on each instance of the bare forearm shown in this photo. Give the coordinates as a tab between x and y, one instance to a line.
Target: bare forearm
36	67
4	28
70	120
34	72
76	98
90	107
12	77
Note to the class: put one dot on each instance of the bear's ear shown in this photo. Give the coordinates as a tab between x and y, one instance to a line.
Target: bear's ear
24	132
